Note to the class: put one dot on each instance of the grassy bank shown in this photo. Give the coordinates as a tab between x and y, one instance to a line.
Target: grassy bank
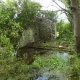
13	68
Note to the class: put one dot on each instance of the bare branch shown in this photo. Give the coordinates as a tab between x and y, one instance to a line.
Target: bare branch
62	8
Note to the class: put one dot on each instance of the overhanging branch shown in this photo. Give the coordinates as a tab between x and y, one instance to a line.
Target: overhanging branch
62	8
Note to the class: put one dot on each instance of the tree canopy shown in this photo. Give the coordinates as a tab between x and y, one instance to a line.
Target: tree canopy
14	17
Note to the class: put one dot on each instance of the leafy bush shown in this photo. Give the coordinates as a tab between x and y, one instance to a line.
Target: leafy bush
15	16
75	67
65	32
11	28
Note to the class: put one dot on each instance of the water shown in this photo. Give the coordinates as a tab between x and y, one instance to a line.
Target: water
29	52
45	74
53	74
48	77
42	77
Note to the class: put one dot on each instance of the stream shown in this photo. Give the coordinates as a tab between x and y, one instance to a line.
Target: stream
46	73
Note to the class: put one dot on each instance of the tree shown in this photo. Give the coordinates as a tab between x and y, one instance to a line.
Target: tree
11	27
74	6
75	20
66	10
76	16
27	12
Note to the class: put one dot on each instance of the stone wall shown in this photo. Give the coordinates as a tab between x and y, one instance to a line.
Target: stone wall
47	29
43	29
31	34
27	37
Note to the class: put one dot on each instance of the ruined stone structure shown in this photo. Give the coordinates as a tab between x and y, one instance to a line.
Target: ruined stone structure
47	29
43	29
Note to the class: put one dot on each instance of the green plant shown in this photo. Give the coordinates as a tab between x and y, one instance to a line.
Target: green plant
75	67
11	27
4	40
51	61
65	32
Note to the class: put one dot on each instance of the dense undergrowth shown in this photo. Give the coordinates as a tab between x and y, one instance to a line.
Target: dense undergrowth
12	68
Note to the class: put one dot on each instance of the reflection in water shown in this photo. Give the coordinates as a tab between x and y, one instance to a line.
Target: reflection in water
42	77
63	55
26	54
53	75
48	77
29	52
30	59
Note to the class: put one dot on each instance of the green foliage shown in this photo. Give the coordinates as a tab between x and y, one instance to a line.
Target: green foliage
51	61
49	14
10	31
11	27
69	67
26	15
66	2
4	40
14	70
7	23
65	32
74	67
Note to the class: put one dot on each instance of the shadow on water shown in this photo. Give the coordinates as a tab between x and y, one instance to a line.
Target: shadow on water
28	54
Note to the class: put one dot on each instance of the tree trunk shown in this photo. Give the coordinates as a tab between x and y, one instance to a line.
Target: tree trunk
76	16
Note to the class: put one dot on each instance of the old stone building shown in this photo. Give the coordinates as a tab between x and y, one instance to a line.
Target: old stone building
47	29
43	29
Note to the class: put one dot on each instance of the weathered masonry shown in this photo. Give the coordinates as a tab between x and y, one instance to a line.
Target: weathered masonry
43	29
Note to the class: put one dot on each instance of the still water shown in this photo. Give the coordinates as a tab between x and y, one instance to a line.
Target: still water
46	73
